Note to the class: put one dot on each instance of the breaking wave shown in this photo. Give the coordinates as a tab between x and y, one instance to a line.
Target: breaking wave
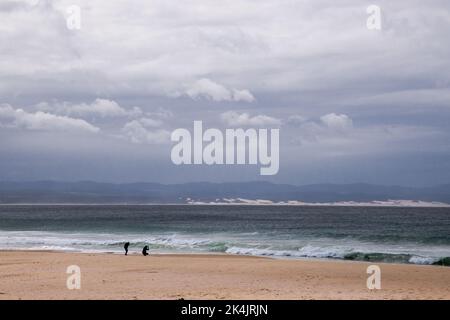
242	244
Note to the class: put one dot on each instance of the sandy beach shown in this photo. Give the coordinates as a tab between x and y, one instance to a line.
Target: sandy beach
42	275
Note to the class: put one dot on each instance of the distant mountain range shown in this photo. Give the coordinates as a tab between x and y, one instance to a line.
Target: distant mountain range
87	192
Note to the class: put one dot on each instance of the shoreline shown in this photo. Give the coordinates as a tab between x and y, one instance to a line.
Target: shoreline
207	253
42	275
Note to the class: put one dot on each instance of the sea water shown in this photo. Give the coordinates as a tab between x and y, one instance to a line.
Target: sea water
384	234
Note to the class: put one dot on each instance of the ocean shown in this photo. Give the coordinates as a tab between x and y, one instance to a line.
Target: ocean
379	234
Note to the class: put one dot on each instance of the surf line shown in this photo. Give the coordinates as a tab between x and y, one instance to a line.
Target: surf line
241	146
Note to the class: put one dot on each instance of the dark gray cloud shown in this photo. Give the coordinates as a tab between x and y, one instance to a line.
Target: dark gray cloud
348	101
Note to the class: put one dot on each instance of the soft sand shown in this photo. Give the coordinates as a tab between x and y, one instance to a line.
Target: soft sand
41	275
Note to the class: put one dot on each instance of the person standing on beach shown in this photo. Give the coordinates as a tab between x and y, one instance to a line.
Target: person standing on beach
125	246
144	251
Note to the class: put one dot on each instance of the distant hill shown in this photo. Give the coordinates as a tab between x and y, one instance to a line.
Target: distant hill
88	192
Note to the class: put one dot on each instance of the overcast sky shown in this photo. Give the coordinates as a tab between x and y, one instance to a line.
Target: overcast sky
99	102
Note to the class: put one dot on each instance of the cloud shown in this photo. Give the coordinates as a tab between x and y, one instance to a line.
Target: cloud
270	46
296	119
141	132
235	119
103	108
273	48
160	113
308	58
330	128
243	95
208	89
337	121
150	123
18	118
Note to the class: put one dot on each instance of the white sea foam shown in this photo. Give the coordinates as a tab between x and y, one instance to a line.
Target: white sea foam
244	244
422	260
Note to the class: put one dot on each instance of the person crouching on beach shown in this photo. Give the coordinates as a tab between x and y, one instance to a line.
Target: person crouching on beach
144	251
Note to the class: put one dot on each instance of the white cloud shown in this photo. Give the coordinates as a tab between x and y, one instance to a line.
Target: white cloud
268	46
160	113
137	131
295	56
337	121
330	128
208	89
18	118
243	95
235	119
296	119
100	107
150	123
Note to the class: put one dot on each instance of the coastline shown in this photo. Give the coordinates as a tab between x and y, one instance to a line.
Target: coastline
42	275
259	203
